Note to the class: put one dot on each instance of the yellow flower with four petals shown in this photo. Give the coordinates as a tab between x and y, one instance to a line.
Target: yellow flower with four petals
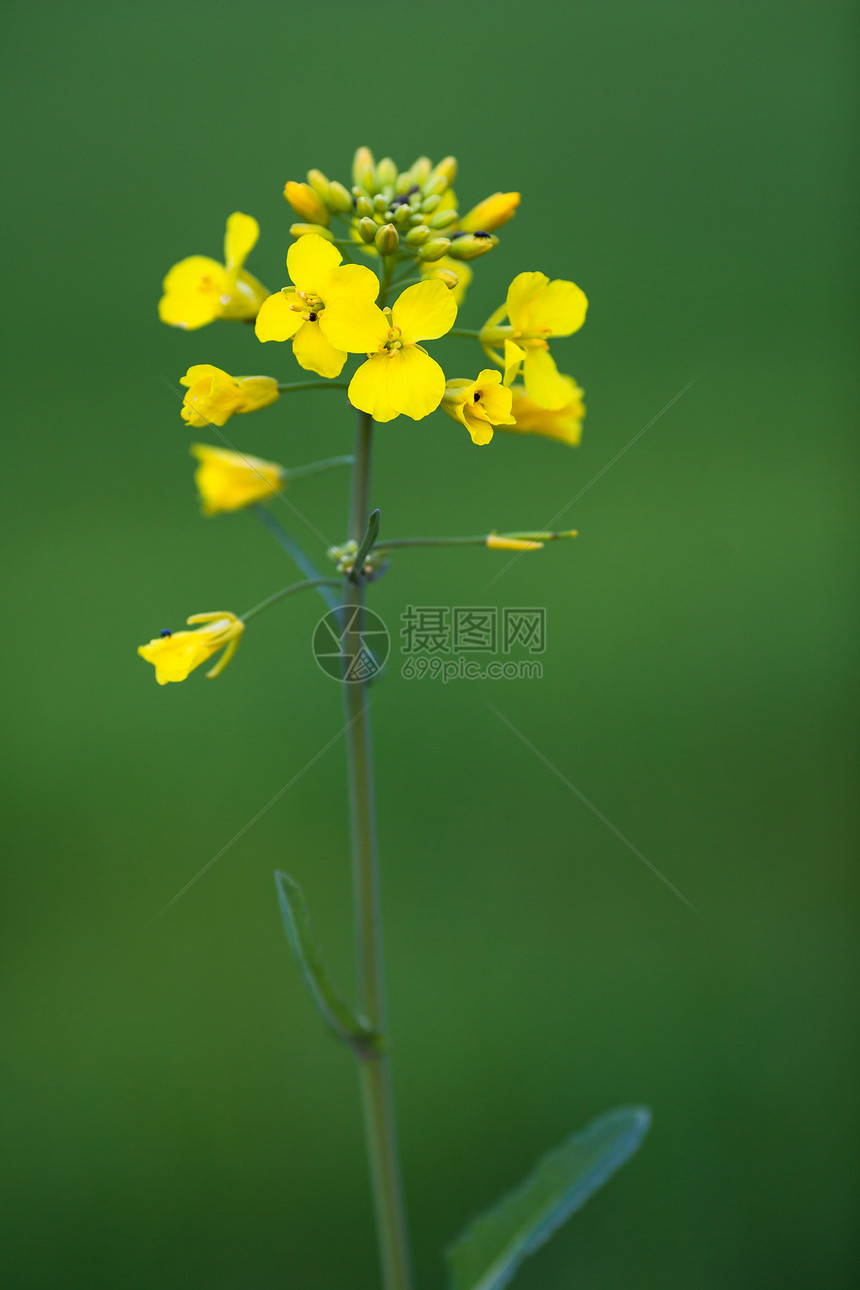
227	481
213	395
198	289
537	310
479	405
324	295
175	654
399	375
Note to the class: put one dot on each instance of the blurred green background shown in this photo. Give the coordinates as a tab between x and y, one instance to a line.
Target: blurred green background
173	1114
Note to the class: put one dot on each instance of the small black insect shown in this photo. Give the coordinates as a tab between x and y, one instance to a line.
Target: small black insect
482	234
165	631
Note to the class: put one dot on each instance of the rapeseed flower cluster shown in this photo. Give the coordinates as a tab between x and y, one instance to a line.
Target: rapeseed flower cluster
377	270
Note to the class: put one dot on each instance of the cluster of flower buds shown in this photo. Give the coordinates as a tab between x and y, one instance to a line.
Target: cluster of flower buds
343	558
387	207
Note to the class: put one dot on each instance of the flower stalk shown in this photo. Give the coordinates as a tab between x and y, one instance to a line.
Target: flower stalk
374	1068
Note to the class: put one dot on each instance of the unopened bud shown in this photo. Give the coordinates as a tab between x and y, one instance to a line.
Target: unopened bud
447	276
417	236
367	230
363	206
306	203
380	203
339	199
448	168
435	184
386	172
319	184
443	218
404	182
420	169
363	162
302	230
402	216
491	213
387	240
431	204
435	249
471	245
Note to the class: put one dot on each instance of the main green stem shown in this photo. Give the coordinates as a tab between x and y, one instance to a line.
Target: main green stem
374	1069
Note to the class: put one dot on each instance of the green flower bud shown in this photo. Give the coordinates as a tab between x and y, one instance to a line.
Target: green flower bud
404	182
436	184
302	230
435	248
386	172
420	169
339	199
431	204
387	240
364	168
402	216
367	229
319	184
471	245
380	203
443	218
417	236
446	168
448	277
363	206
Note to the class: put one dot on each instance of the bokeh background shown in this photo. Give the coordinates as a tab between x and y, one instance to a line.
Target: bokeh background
173	1114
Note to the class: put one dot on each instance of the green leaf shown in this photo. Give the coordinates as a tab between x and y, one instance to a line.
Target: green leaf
489	1252
337	1014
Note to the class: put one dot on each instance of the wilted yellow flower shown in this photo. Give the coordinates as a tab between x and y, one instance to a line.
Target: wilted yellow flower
227	480
307	204
399	375
537	309
447	265
324	292
479	405
175	654
213	395
490	214
564	424
198	289
497	542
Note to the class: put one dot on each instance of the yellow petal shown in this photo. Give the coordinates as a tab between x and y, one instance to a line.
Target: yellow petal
543	382
521	292
491	213
356	326
276	320
563	424
514	356
228	480
257	392
241	236
192	291
315	353
425	311
559	309
352	282
416	382
198	371
311	262
368	389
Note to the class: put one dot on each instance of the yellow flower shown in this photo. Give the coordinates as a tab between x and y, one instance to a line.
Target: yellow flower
564	424
174	655
198	290
307	204
479	405
213	395
399	375
537	309
227	481
324	292
490	214
446	264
